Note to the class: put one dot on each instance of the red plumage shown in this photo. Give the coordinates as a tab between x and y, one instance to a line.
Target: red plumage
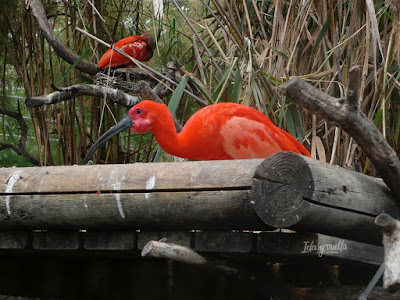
139	47
220	131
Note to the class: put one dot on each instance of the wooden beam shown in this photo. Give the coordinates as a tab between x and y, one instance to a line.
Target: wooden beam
186	195
297	192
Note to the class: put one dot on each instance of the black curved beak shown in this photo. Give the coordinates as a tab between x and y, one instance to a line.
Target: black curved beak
125	123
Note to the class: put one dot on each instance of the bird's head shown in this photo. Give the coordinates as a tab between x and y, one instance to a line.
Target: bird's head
141	118
149	40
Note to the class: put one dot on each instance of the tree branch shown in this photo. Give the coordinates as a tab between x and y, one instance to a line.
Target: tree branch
62	50
63	94
67	93
131	73
345	113
21	147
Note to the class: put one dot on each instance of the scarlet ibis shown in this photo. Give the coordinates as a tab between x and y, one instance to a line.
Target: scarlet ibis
219	131
137	46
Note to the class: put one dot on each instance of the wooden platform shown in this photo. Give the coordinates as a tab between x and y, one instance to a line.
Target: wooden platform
266	246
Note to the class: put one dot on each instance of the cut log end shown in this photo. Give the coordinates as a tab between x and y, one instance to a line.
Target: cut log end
275	205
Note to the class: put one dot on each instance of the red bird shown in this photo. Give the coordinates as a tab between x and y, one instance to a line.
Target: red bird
137	46
220	131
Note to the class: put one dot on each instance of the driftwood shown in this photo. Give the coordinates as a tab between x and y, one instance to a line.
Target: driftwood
62	50
291	190
391	242
345	113
173	252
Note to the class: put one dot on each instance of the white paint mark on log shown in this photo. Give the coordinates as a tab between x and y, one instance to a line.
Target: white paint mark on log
10	184
151	182
117	187
121	210
84	201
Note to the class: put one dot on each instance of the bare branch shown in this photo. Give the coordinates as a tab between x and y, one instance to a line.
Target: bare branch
20	148
345	114
62	50
63	94
83	89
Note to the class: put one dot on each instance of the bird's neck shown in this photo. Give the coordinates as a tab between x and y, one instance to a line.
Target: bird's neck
169	140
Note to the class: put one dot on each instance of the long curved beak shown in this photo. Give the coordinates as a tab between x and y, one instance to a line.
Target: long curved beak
125	123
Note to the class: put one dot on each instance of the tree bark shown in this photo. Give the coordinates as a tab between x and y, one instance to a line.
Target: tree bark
76	90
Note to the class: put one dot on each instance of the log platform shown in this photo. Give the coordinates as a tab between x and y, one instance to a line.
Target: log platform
222	210
285	190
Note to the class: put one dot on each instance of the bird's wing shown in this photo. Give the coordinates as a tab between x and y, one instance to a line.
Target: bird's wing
134	46
247	138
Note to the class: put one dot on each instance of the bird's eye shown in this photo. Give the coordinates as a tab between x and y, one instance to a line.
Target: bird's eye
138	111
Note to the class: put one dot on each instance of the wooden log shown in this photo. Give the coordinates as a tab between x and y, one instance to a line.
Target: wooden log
297	192
186	195
391	242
